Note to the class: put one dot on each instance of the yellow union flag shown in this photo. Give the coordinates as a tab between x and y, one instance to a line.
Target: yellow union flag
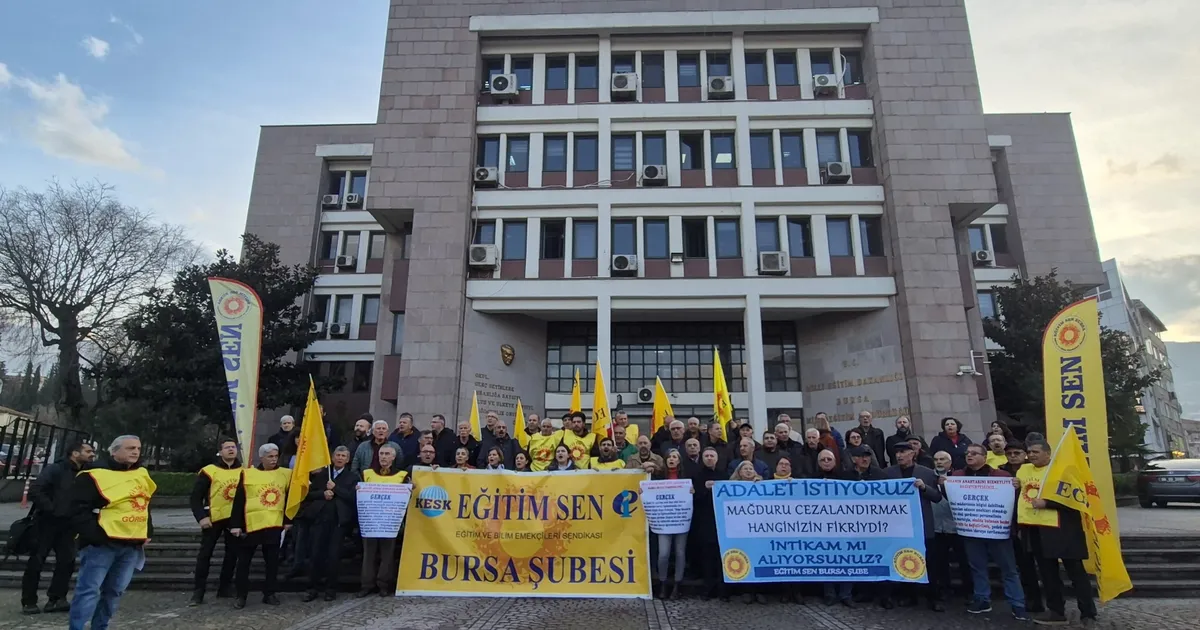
519	427
601	420
239	316
1070	482
1074	390
576	404
722	405
662	407
561	534
312	454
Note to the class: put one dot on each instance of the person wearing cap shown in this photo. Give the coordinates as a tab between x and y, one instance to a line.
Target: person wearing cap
1014	452
926	482
862	464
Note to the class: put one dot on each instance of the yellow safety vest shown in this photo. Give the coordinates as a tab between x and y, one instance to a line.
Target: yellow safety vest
1031	484
266	497
128	492
580	447
370	476
996	461
595	464
631	433
222	487
541	450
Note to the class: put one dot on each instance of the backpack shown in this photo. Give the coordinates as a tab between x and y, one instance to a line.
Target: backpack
22	537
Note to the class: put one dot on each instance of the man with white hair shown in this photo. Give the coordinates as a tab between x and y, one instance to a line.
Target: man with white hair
367	455
678	438
282	437
462	439
259	520
111	530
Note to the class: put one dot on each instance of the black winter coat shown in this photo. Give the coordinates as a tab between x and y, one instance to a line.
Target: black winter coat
50	493
704	518
958	452
341	509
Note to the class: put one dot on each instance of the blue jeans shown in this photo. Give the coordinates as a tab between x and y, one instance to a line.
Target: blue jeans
666	544
104	574
1001	551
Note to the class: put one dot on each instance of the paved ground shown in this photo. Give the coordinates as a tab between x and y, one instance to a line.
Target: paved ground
168	611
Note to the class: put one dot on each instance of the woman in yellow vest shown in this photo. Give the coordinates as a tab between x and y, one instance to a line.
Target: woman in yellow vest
542	445
578	440
379	554
258	517
212	504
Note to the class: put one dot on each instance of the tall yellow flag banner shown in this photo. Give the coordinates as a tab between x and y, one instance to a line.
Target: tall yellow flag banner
519	427
722	405
474	417
1074	388
493	534
601	418
239	316
662	407
1069	481
576	405
312	454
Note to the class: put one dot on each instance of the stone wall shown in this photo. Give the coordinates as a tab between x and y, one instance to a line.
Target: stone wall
484	371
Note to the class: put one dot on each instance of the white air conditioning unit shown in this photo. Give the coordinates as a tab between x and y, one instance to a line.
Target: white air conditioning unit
344	261
624	264
773	263
645	395
825	84
482	256
982	257
624	86
836	172
316	328
331	201
353	200
503	86
720	87
654	175
486	177
339	330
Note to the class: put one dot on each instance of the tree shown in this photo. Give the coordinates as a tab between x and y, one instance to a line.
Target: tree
174	366
1027	307
76	260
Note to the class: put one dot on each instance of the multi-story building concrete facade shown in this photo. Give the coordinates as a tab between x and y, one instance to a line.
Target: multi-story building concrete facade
810	187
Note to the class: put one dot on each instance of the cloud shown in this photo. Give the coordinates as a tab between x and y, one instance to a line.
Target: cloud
1169	162
1171	288
95	47
1128	169
137	37
5	75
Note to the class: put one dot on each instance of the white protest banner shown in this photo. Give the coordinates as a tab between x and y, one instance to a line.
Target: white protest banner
381	508
668	505
982	506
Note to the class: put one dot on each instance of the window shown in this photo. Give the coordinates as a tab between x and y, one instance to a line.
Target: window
350	244
583	244
587	153
343	309
337	183
839	237
624	237
860	148
653	71
762	154
987	304
691	151
654	149
852	70
785	68
766	235
728	241
370	310
799	237
485	233
337	370
756	68
975	235
555	158
491	67
358	183
999	238
689	70
587	73
556	73
514	240
722	150
488	152
870	233
829	149
362	376
695	238
376	246
329	245
623	153
680	353
518	154
822	61
320	308
523	68
397	332
791	150
657	244
570	346
781	360
554	239
622	64
718	64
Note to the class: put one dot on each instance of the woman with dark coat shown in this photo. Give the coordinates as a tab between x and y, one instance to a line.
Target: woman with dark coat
704	523
952	441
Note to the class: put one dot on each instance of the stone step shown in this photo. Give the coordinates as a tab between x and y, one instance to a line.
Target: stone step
183	581
1160	542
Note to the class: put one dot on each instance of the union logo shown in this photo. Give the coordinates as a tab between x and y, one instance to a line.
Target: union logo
1070	333
736	564
1091	490
578	451
1031	492
542	454
139	500
233	305
270	496
909	563
229	491
518	540
1102	526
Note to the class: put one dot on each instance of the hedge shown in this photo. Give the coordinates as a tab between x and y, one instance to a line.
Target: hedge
173	484
1125	484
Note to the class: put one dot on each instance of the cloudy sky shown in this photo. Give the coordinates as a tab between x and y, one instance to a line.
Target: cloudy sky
164	101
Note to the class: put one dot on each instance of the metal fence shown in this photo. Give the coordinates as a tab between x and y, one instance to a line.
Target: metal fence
27	445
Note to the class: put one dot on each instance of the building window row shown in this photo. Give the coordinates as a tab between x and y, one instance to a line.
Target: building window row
345	189
350	251
989	245
356	375
345	316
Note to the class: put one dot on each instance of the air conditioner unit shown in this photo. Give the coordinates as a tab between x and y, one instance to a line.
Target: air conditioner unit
645	395
654	175
487	177
344	261
836	172
353	200
825	84
316	328
720	87
331	201
624	86
773	263
503	86
339	330
624	264
982	257
482	256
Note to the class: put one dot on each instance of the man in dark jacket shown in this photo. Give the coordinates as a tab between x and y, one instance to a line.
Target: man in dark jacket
212	505
926	482
443	438
502	440
408	438
704	524
462	439
903	434
362	432
259	519
329	509
873	437
51	497
283	436
805	458
863	466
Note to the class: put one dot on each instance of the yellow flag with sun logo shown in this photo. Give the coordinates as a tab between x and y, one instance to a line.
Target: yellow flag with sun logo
312	454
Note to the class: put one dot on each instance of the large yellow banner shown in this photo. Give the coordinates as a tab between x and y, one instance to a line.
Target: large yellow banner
239	317
1074	389
479	533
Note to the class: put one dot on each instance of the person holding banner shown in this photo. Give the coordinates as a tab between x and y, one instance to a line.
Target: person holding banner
625	449
258	519
704	523
329	510
503	444
428	458
562	459
747	455
212	504
521	462
926	482
378	573
607	460
645	458
542	445
462	459
671	544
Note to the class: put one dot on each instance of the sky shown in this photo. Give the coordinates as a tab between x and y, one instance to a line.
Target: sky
164	101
